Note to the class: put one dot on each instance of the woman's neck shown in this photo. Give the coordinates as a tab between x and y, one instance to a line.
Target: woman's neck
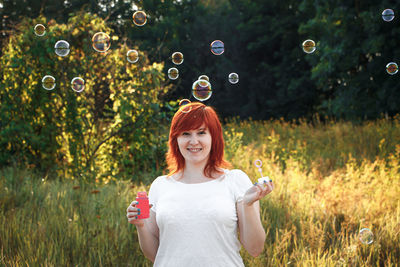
195	173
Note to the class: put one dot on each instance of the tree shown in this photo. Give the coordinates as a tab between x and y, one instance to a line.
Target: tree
354	45
109	129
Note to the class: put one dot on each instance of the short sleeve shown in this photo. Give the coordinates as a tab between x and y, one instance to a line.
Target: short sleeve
154	193
240	183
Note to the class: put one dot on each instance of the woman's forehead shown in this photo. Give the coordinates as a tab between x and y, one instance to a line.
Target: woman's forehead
201	127
195	128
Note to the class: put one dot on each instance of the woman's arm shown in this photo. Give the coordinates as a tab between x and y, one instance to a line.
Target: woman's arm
147	229
252	233
148	234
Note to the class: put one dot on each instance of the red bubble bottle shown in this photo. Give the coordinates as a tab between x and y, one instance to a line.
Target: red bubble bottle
143	205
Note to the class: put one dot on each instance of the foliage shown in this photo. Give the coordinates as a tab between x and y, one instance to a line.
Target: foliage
113	127
344	78
354	45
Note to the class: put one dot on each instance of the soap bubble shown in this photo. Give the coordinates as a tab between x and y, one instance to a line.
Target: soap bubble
78	84
173	73
62	48
40	30
139	18
233	78
201	90
217	47
366	236
388	15
101	42
132	56
309	46
48	82
177	58
183	106
204	77
392	68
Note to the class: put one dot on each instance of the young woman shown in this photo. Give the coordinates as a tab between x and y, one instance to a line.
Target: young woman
197	209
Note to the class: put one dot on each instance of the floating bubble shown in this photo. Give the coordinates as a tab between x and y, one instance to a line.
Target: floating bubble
309	46
366	236
183	106
132	56
201	90
78	84
204	77
177	58
139	18
388	15
392	68
173	73
217	47
62	48
48	82
40	30
101	42
233	78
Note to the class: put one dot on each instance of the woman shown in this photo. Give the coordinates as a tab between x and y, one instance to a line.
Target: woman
198	207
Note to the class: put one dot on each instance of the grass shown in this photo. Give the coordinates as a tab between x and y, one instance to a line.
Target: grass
332	179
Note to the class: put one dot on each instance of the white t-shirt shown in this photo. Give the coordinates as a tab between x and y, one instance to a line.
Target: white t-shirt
198	222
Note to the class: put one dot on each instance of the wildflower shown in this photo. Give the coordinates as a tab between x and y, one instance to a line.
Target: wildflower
95	191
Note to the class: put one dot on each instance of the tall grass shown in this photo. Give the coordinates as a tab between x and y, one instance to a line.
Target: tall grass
332	179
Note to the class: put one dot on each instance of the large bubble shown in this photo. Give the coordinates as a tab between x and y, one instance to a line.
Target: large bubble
78	84
173	73
309	46
392	68
217	47
201	90
388	15
177	58
40	30
101	42
61	48
366	236
132	56
48	82
233	78
139	18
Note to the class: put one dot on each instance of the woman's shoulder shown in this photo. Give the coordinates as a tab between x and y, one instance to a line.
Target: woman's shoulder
235	175
235	172
161	179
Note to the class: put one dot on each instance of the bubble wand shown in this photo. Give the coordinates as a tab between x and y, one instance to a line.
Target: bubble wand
258	164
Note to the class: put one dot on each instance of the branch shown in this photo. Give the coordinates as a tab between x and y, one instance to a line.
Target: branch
111	136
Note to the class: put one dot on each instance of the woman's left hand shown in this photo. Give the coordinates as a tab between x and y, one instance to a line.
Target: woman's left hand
258	191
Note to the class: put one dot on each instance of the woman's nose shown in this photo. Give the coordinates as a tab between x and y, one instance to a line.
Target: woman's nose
193	140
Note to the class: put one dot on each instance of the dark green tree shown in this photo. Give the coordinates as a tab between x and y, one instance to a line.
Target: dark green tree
354	45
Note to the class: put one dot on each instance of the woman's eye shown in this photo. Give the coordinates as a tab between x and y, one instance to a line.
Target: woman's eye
185	133
202	132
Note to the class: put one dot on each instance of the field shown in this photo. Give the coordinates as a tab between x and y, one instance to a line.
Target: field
332	179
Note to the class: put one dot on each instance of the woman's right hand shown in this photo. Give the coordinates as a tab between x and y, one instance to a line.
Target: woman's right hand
132	213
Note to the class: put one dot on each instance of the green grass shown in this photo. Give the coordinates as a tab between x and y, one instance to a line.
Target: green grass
332	179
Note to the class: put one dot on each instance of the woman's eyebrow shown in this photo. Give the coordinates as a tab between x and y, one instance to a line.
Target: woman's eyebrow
202	129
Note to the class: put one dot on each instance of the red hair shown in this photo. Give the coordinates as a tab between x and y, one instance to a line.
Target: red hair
197	115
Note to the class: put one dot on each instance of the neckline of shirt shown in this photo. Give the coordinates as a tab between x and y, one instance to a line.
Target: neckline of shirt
216	179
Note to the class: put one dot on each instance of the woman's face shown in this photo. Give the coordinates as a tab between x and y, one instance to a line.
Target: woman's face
195	145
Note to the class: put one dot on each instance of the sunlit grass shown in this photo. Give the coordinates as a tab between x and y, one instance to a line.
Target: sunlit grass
332	179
